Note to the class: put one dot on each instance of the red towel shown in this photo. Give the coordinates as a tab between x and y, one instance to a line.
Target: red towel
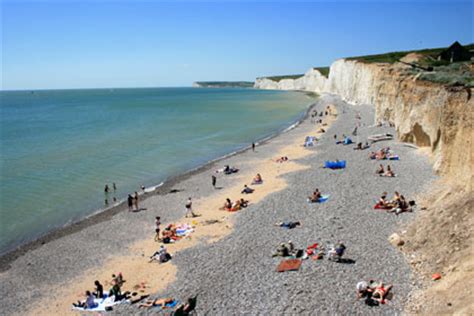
289	265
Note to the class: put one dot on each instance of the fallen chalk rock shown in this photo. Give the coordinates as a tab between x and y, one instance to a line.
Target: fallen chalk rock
396	240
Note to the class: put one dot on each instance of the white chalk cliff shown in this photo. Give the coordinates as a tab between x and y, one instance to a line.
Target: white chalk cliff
425	113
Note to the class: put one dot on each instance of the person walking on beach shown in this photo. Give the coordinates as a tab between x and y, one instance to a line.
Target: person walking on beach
189	208
253	147
135	200
130	202
157	228
214	180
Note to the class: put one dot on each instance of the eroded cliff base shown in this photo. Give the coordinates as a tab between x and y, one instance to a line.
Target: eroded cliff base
441	241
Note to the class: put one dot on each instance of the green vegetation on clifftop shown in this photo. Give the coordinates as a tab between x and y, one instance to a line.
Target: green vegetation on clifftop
279	78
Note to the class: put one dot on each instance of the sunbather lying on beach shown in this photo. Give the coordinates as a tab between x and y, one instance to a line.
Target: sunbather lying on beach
258	179
282	159
380	292
169	232
158	302
247	190
228	170
288	225
88	303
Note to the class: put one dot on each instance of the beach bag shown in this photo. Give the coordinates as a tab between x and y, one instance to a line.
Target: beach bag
166	240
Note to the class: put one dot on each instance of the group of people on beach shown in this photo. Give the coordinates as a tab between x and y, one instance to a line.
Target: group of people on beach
398	204
132	202
115	291
107	190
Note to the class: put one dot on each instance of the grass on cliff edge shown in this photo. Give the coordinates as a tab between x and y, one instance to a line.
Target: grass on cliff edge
280	78
323	70
394	57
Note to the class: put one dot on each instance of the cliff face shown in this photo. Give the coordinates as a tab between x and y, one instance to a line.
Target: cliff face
424	113
312	81
438	118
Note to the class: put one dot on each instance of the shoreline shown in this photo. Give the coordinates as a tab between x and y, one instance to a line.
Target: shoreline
132	259
210	261
163	188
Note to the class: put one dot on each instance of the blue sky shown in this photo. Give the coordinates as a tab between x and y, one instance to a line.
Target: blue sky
80	44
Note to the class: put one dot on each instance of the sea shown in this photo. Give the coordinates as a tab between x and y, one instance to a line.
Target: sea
59	148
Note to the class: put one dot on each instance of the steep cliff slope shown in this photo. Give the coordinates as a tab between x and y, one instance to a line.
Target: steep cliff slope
438	118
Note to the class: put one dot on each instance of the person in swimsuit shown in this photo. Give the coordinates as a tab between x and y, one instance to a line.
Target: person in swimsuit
189	208
157	228
380	170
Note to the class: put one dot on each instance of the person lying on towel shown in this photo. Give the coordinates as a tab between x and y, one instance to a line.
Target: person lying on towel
158	302
289	225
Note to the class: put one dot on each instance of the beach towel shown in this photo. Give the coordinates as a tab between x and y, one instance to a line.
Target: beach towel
183	230
378	206
289	265
335	164
101	305
393	157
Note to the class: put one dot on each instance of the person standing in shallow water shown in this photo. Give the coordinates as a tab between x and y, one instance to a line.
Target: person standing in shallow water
253	146
106	189
114	186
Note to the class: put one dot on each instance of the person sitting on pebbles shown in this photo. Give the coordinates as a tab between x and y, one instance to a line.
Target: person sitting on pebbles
89	303
389	172
380	170
244	203
247	190
314	198
227	204
282	251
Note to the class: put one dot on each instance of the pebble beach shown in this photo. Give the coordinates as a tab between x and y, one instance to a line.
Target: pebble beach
229	264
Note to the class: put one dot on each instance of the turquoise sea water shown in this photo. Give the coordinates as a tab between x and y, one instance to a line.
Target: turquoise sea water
59	148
